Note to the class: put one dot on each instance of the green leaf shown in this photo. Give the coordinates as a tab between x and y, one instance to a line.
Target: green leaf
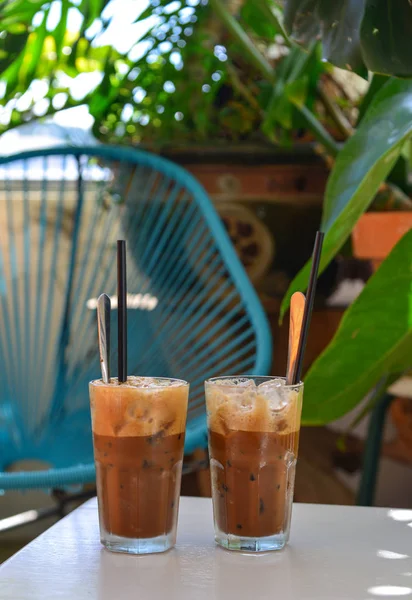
301	21
60	30
280	110
362	165
297	90
91	9
358	35
265	18
254	16
399	174
386	35
340	27
336	23
106	92
374	340
11	74
33	51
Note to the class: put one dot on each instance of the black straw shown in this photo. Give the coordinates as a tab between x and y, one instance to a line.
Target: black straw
122	311
310	298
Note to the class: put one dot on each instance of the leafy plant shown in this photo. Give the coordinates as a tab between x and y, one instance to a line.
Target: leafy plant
186	78
373	342
360	168
170	82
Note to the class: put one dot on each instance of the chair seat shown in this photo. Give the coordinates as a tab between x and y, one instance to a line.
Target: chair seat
61	212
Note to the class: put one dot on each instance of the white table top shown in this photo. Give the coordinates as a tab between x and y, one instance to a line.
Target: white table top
335	553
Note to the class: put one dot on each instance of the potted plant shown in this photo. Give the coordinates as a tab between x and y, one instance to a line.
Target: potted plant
389	217
378	231
373	344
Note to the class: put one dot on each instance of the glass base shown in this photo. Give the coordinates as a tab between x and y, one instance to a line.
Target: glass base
116	543
251	544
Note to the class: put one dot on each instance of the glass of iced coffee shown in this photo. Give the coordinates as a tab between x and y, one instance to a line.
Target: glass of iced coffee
138	434
253	427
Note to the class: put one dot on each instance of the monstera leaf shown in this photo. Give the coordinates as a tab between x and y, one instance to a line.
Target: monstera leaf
374	340
358	35
362	165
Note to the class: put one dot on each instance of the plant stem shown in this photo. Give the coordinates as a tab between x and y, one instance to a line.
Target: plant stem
249	48
318	130
338	117
376	395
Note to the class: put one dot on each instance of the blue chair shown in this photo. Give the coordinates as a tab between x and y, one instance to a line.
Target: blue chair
192	310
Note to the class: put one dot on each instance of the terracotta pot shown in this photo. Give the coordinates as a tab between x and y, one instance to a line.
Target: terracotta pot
246	172
400	447
375	234
401	413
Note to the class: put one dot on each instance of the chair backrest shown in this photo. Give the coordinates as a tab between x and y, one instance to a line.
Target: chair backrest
192	311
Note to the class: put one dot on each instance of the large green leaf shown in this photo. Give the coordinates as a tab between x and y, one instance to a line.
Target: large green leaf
340	25
374	340
336	23
386	35
33	51
301	21
399	174
60	30
363	164
357	35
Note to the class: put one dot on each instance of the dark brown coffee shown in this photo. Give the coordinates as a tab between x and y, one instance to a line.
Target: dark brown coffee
138	434
254	427
252	474
138	483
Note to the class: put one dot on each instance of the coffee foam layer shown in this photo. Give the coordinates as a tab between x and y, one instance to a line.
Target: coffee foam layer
249	408
140	407
134	381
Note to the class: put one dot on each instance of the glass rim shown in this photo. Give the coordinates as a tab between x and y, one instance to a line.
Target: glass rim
215	380
99	383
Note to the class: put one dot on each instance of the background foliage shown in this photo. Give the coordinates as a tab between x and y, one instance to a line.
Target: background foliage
198	71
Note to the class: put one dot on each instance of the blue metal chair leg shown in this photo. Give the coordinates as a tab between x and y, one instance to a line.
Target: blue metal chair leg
371	456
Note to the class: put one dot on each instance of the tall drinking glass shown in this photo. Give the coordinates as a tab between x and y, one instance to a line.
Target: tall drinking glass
254	425
138	435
